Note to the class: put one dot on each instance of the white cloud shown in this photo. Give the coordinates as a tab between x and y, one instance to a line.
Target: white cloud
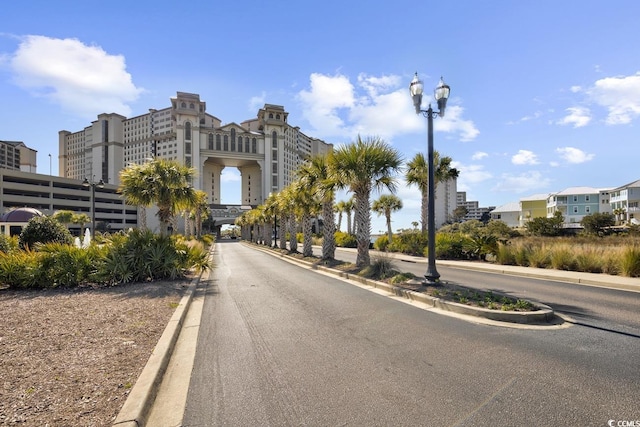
522	183
381	106
578	117
257	102
479	155
525	157
323	100
470	175
620	96
575	89
574	155
83	79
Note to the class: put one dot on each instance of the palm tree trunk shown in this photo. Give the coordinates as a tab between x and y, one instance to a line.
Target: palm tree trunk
363	228
424	210
293	241
307	249
142	217
390	234
284	220
328	231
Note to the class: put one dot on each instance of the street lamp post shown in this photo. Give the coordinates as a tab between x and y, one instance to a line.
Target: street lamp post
93	185
441	95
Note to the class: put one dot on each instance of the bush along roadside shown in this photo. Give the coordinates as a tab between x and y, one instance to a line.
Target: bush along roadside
135	256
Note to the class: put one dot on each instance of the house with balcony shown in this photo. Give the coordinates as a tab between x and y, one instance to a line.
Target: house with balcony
577	202
534	206
625	202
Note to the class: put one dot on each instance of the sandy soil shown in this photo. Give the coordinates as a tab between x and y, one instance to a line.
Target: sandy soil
69	357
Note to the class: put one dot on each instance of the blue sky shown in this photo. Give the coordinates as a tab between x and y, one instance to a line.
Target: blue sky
545	94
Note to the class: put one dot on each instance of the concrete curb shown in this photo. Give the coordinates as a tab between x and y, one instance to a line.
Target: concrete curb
544	314
136	408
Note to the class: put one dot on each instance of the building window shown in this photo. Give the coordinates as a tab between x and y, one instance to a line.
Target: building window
575	209
254	146
274	155
192	106
278	116
246	145
240	144
274	139
187	131
183	105
218	144
187	148
226	143
587	209
271	115
210	141
274	181
586	198
233	140
575	198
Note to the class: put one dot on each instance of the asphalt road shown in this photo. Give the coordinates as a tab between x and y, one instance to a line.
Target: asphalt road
280	345
588	306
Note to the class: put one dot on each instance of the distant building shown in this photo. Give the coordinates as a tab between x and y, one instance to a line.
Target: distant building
15	155
577	202
625	202
48	194
474	211
508	213
534	206
266	150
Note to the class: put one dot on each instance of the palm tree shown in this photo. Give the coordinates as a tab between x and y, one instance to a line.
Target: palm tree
339	209
360	167
348	209
286	205
163	182
319	178
418	174
386	204
306	205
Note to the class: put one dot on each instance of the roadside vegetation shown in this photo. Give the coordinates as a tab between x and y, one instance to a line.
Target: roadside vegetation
293	216
46	256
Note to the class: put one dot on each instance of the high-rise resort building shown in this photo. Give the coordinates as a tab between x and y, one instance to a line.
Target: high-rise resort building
267	150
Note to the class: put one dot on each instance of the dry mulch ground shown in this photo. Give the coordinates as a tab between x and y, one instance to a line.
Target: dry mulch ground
69	357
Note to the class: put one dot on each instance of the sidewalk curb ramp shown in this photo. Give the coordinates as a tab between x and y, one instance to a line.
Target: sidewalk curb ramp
136	408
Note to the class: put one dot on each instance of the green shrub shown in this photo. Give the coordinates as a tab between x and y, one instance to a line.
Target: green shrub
505	254
411	242
345	240
381	243
522	254
630	262
20	269
589	260
65	265
450	246
9	244
539	257
562	258
380	268
402	277
44	229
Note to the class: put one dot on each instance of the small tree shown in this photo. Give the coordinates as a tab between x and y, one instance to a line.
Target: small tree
546	226
597	222
44	229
